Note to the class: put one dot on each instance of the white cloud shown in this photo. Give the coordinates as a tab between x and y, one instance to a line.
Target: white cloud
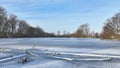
29	5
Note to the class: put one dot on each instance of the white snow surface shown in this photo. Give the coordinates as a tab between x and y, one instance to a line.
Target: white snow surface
95	49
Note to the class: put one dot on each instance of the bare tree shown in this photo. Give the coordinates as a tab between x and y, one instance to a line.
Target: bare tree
111	29
82	31
22	27
13	23
58	33
3	16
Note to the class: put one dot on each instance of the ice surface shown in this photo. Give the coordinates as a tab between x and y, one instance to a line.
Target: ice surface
55	52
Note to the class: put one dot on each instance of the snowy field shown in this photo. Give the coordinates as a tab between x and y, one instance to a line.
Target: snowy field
60	53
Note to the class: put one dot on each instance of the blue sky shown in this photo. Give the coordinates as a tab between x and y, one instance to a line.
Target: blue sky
54	15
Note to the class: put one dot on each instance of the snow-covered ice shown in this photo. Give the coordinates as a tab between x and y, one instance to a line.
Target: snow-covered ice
62	52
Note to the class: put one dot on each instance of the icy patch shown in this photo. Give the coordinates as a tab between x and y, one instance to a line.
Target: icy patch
114	51
88	59
52	64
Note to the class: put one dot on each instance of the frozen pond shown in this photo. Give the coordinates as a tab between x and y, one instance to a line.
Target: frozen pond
70	47
61	44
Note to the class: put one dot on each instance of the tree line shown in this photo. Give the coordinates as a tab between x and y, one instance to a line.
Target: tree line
11	27
111	29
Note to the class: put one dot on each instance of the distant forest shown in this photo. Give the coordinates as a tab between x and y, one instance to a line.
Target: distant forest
12	27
